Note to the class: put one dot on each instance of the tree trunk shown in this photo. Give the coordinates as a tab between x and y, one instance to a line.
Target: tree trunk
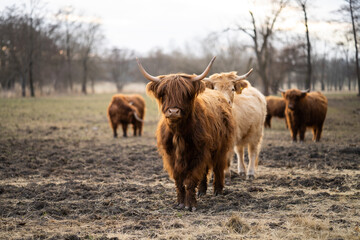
308	76
31	62
356	48
84	82
68	61
23	85
31	84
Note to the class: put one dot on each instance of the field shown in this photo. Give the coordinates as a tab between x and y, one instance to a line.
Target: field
63	176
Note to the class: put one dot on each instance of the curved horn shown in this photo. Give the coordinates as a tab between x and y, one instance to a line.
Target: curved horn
137	117
207	70
282	90
146	75
305	91
245	75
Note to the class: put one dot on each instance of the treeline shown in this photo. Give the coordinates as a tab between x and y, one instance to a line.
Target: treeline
63	54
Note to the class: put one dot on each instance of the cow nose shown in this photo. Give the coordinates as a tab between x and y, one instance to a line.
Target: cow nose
173	112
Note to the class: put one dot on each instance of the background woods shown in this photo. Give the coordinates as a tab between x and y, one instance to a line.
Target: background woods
66	51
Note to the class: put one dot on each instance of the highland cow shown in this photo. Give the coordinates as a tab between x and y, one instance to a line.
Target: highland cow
194	134
304	110
275	107
125	110
249	110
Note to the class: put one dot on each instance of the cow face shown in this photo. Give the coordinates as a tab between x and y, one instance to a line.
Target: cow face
293	97
228	84
176	93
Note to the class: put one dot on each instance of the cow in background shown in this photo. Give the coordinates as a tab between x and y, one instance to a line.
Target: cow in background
275	107
194	134
304	110
126	109
249	111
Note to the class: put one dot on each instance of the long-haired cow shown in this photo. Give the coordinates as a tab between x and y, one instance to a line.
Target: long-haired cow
304	109
194	134
125	110
249	110
275	107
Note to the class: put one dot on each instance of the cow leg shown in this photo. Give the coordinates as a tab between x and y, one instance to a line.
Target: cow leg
135	128
114	127
124	127
253	154
219	177
140	128
294	132
180	192
268	121
318	133
239	150
190	185
302	133
314	130
203	184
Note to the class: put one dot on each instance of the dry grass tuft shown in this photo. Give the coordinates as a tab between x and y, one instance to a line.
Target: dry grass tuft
237	225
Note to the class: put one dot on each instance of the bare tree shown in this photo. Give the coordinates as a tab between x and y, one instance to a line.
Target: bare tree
120	66
261	37
303	5
70	27
90	39
351	12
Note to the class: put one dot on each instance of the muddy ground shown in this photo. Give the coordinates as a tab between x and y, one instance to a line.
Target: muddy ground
63	176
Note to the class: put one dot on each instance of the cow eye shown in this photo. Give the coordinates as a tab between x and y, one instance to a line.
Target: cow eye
233	89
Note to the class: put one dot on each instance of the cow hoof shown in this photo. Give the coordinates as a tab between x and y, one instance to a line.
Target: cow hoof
242	175
250	177
218	192
200	194
180	206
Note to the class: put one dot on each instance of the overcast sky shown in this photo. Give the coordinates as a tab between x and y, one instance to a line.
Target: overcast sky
144	24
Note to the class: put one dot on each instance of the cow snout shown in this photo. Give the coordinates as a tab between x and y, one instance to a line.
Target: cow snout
173	113
291	106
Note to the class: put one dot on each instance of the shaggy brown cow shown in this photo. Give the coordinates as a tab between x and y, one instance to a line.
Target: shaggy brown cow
275	108
304	110
194	134
124	110
249	111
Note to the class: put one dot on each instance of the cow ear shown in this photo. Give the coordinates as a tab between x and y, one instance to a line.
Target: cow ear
209	84
151	88
303	94
240	85
199	86
283	94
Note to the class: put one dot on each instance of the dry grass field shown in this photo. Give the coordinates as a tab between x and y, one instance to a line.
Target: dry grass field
63	176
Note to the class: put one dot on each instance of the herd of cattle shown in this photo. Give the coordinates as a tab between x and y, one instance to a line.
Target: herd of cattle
203	120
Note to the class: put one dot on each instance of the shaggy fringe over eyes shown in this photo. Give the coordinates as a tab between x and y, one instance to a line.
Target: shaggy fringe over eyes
178	89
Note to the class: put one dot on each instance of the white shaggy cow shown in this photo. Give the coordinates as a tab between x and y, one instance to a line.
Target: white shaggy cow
249	111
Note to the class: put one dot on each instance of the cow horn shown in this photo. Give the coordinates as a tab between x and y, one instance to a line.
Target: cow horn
147	75
137	117
245	75
207	70
282	90
305	91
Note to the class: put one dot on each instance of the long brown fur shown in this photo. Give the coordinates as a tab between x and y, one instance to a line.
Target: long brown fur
309	111
199	141
275	108
121	111
249	111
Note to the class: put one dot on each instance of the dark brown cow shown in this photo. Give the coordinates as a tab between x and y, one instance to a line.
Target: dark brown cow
275	108
194	134
304	110
124	110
